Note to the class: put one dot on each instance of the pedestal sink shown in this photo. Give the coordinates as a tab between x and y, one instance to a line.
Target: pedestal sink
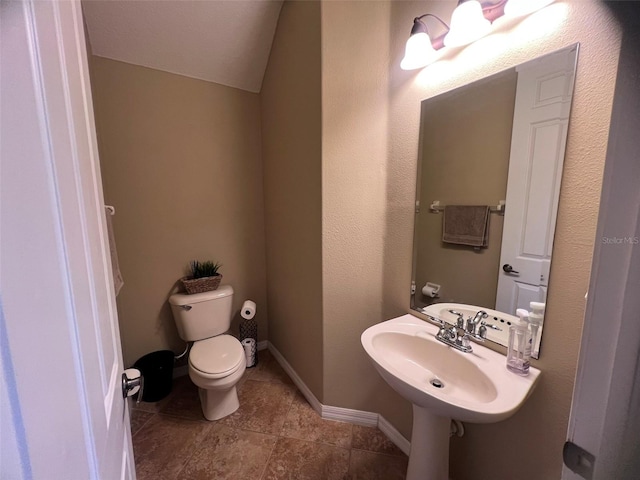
442	383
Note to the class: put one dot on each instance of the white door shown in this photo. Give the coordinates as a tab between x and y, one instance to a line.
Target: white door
605	411
540	120
62	411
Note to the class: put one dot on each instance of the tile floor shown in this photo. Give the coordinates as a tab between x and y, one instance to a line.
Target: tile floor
274	435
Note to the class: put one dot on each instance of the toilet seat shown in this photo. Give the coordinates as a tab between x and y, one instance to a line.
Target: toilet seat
216	357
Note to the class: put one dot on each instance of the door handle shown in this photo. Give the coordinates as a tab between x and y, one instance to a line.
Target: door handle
131	386
509	269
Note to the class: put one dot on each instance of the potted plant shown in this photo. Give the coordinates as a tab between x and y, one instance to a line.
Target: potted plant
203	277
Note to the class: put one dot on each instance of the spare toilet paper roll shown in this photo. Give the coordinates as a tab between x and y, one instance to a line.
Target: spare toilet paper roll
249	345
248	310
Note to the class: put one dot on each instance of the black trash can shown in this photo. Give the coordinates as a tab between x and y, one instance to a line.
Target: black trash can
157	370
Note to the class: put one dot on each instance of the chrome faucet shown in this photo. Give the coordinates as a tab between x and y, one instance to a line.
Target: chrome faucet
472	323
459	336
454	337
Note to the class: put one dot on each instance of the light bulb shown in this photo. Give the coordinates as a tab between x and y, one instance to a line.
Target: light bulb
467	24
519	8
418	53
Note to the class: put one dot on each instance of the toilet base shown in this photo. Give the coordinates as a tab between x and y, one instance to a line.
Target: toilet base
218	404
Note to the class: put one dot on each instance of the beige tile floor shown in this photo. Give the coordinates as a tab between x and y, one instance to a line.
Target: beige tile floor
275	434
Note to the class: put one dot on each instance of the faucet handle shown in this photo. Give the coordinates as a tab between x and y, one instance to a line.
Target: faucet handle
433	319
452	332
470	327
482	332
490	325
460	320
479	337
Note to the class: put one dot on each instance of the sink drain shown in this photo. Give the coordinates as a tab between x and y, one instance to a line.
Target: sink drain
436	383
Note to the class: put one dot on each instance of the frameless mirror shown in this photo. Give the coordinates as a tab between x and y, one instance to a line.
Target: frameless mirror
497	144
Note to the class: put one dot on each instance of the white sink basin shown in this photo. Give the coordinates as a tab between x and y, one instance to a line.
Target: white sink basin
442	383
476	387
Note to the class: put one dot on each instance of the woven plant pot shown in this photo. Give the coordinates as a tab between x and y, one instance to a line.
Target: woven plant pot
200	285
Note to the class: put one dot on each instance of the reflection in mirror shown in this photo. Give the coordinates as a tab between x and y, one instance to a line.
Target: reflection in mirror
488	187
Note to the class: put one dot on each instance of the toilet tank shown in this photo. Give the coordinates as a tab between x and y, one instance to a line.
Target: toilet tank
202	315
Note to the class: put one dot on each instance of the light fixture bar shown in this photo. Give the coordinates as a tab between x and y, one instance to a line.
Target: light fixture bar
470	21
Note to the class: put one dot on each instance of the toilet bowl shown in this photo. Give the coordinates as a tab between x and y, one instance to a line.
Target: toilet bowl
216	359
216	365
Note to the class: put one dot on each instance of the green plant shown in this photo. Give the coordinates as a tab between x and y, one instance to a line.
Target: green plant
204	269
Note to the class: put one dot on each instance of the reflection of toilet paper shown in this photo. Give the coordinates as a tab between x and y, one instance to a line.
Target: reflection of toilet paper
430	290
249	345
248	309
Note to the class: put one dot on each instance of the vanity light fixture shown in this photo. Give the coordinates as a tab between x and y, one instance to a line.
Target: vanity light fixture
470	21
467	24
419	51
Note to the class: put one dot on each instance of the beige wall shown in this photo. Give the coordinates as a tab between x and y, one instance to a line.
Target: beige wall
354	168
539	428
181	163
465	140
291	127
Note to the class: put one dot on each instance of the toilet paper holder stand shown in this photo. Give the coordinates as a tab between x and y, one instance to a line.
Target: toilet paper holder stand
249	329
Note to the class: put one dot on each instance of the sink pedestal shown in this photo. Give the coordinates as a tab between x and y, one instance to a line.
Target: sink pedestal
429	457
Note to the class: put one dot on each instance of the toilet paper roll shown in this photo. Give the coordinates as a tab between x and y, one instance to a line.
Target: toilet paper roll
248	310
133	374
249	345
430	290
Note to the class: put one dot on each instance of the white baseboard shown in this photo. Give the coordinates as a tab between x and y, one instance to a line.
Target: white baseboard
356	417
394	435
263	345
308	394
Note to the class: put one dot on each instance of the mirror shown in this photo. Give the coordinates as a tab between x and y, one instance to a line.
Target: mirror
496	145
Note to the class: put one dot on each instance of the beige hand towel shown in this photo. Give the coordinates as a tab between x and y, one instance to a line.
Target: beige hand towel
118	282
466	225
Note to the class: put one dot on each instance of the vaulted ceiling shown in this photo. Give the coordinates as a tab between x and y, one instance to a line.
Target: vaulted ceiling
222	41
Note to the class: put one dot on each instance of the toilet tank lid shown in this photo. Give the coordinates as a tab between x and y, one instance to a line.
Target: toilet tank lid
184	299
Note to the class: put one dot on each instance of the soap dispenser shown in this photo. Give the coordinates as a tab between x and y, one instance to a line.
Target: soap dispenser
519	347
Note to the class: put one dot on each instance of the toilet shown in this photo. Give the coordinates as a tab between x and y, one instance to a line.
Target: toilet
216	359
